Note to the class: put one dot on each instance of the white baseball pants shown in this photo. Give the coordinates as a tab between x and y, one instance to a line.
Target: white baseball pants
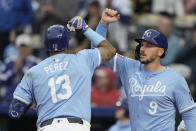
62	124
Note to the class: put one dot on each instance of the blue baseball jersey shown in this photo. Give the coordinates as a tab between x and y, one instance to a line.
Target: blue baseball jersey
60	85
120	127
153	97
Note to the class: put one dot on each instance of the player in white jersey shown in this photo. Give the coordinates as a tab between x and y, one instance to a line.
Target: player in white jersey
60	86
154	92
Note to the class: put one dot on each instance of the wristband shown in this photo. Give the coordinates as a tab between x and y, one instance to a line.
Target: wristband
102	29
95	38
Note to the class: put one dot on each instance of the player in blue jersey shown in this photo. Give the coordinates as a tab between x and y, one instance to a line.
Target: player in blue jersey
122	114
60	86
154	92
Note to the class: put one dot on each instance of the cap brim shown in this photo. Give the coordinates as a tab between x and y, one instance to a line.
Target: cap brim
140	41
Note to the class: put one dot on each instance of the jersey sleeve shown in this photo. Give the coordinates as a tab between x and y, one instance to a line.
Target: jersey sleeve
120	64
189	118
23	91
117	63
182	96
92	57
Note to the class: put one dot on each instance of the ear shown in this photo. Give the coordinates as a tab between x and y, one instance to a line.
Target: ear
160	52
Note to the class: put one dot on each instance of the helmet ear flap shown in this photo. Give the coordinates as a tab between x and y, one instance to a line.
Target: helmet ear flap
137	52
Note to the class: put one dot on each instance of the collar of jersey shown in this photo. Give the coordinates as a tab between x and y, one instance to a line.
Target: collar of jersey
153	72
123	125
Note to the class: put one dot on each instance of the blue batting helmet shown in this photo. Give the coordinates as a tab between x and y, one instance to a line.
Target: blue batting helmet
56	38
155	37
122	103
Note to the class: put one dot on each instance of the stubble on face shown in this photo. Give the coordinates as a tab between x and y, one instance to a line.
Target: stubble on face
149	59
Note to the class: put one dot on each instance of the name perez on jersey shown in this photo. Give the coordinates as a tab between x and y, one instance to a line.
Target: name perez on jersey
135	89
56	67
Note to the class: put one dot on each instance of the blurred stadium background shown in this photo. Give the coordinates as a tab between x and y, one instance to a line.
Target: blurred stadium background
22	27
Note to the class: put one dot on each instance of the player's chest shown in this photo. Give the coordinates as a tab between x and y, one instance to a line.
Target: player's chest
148	86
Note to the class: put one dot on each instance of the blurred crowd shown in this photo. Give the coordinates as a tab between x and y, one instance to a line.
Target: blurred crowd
23	23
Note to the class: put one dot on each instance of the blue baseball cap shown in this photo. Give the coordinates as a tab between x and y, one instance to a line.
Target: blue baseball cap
154	37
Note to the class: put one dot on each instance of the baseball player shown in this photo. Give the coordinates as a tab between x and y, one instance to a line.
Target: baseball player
60	85
154	91
122	114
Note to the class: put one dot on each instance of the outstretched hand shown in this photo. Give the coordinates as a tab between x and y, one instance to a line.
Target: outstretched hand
109	16
77	24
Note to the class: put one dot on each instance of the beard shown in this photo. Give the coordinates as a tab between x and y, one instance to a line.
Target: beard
149	60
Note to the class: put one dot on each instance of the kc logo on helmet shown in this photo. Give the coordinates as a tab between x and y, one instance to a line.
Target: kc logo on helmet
147	34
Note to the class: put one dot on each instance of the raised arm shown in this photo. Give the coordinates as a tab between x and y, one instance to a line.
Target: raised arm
22	97
107	51
108	16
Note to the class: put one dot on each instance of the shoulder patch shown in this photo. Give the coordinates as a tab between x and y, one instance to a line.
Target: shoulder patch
29	74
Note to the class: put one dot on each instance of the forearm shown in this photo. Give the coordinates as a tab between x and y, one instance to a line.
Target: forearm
189	118
102	30
106	49
17	109
95	38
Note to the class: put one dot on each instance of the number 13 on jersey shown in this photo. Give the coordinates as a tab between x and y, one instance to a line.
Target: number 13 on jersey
64	83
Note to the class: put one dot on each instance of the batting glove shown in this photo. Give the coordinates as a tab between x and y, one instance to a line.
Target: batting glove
77	24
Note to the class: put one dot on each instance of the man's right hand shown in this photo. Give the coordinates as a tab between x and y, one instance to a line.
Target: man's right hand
109	16
77	24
